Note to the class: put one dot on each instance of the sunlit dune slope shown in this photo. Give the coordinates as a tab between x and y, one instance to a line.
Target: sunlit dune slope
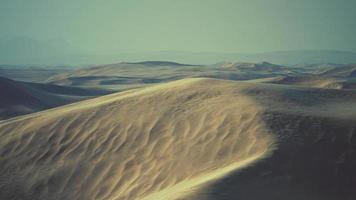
196	139
154	143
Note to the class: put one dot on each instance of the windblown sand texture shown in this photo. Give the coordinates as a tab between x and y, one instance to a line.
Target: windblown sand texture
130	145
180	140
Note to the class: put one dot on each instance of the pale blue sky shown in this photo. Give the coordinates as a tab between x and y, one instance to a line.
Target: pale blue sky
112	26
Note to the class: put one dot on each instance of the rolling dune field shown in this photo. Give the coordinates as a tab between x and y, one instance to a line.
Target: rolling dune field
189	139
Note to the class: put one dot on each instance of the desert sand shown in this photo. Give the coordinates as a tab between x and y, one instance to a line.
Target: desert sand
188	139
123	76
19	98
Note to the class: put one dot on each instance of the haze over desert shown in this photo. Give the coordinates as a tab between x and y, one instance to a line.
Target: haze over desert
177	100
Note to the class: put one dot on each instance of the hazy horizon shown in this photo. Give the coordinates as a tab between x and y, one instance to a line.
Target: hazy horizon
225	26
177	99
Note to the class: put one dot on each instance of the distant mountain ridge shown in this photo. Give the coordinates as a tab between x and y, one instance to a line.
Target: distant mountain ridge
25	50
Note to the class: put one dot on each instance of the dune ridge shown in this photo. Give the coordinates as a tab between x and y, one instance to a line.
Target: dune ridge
314	132
132	145
185	188
185	140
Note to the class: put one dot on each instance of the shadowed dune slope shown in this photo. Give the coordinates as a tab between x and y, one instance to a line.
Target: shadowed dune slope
30	73
132	145
309	81
347	71
18	98
312	81
185	140
315	138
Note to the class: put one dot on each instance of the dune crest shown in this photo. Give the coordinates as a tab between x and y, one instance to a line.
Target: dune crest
133	144
185	188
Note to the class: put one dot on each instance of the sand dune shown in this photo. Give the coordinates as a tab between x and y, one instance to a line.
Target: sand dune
18	98
312	81
308	81
126	75
30	73
122	76
346	71
132	144
262	67
185	139
315	148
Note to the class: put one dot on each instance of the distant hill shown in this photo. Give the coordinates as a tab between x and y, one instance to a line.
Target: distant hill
320	76
126	75
28	51
348	71
278	57
31	73
305	57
